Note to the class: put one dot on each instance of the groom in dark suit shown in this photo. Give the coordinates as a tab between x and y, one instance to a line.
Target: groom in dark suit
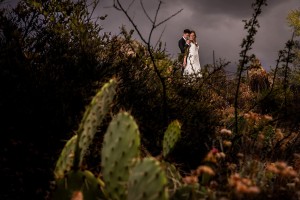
183	43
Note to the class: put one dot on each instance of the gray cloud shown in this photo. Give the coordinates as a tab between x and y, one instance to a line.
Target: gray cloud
218	24
234	8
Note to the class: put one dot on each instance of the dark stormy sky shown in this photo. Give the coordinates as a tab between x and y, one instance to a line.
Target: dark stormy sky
218	24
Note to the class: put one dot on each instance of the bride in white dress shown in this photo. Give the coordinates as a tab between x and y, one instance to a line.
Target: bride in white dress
191	59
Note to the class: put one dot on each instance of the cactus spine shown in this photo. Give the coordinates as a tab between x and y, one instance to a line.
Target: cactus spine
124	174
65	161
147	181
78	184
92	118
121	145
75	183
171	137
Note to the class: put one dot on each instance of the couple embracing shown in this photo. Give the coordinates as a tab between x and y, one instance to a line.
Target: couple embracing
189	56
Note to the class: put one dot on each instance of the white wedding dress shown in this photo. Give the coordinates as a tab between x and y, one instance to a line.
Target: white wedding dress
193	67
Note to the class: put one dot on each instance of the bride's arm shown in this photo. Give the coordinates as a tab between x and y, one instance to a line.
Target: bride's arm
184	61
186	53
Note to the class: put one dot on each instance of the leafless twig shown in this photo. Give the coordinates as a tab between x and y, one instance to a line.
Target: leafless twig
160	36
145	11
251	26
147	42
131	3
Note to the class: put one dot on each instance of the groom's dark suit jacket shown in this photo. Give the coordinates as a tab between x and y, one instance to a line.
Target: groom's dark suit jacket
182	45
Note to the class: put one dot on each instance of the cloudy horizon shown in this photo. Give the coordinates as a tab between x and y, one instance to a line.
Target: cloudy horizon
219	26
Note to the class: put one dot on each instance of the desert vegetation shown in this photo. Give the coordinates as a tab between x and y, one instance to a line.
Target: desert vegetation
69	92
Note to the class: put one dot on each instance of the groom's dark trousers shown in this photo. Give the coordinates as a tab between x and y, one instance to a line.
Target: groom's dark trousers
182	46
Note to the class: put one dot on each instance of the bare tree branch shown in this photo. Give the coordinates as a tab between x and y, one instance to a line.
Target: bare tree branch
144	10
156	14
130	19
131	3
251	26
289	46
116	5
162	79
167	19
160	36
95	4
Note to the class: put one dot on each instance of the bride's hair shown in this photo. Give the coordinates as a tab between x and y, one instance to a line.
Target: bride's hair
194	34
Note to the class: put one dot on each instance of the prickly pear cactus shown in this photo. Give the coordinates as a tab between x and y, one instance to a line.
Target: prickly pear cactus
120	146
147	181
65	161
171	137
92	118
78	185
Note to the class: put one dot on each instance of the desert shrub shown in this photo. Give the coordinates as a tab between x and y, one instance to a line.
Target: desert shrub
251	175
49	70
58	63
53	58
196	105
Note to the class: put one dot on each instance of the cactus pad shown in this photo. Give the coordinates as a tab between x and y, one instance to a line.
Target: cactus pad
147	181
65	161
80	184
120	146
93	117
171	137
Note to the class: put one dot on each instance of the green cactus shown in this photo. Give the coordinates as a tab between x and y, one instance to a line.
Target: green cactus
120	146
65	161
92	118
78	185
147	181
171	137
124	174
